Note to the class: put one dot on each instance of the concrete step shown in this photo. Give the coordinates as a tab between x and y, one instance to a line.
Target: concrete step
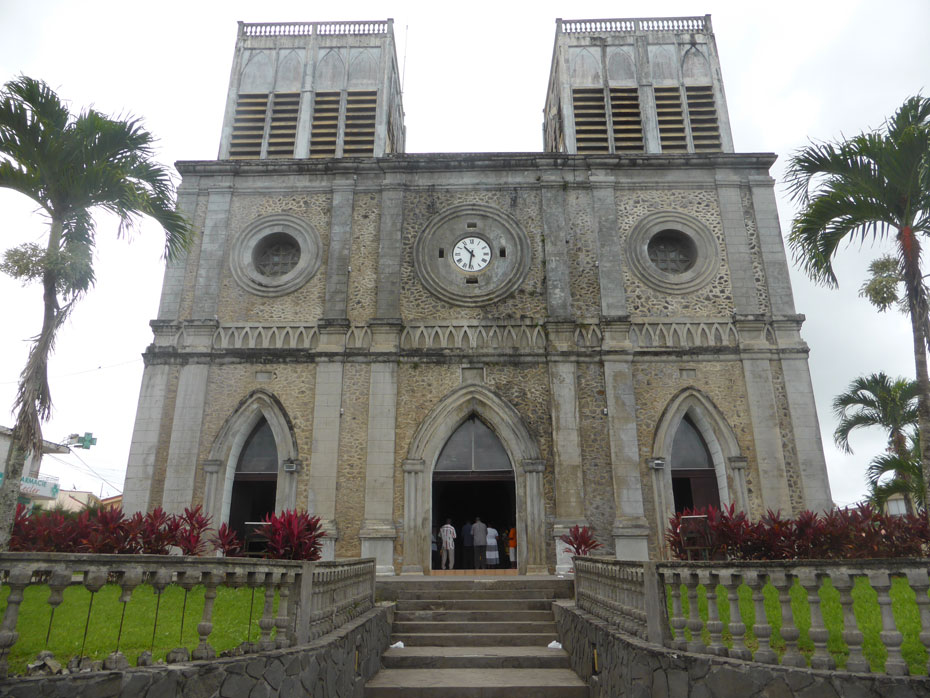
533	627
447	639
499	605
455	594
477	683
472	616
404	583
474	658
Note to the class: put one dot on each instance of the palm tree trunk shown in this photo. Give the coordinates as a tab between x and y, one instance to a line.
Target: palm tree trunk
33	398
909	248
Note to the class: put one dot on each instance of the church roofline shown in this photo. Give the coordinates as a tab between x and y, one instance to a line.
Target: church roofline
355	28
636	25
492	161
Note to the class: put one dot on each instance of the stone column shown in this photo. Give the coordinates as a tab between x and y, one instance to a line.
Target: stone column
805	426
288	471
212	249
763	413
555	230
146	432
390	249
327	415
378	532
771	245
416	540
566	443
340	243
740	491
661	492
183	451
173	285
745	293
212	490
531	542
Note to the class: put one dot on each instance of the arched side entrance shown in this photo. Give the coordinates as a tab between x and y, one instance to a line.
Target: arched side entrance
696	459
242	444
521	449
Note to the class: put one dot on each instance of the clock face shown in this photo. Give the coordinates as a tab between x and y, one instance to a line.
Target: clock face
471	254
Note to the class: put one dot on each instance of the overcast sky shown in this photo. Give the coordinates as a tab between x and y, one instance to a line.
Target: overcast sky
474	80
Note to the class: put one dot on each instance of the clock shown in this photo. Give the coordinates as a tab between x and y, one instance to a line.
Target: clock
471	254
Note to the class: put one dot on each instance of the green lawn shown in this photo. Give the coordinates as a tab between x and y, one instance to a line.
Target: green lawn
865	606
66	630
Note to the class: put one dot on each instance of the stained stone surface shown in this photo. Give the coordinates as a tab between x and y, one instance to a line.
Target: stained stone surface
325	667
632	667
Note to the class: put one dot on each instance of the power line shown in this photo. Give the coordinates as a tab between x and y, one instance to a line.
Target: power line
91	470
78	373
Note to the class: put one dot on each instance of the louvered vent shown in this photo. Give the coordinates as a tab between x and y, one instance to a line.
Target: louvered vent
283	132
671	120
248	126
705	132
590	121
325	128
628	126
360	124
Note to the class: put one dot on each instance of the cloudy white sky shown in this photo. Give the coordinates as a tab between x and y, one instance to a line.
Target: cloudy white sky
475	80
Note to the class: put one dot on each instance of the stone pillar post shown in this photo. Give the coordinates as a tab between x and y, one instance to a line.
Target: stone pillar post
531	542
212	491
661	492
416	540
740	491
183	451
146	431
377	532
327	415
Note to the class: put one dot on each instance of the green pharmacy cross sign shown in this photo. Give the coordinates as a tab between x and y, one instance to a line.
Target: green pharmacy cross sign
85	441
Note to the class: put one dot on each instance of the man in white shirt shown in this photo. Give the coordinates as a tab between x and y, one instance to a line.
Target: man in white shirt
479	533
447	534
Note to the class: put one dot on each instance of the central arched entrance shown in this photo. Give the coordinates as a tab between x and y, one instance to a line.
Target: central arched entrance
429	440
473	477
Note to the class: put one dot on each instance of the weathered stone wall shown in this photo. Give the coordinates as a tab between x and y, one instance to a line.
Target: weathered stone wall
420	205
599	507
713	300
582	249
631	668
236	304
164	439
353	449
325	667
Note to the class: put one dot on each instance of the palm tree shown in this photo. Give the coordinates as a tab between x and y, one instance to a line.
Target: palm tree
873	186
876	401
71	166
907	477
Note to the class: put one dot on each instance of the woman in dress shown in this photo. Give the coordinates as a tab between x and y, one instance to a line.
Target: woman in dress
492	556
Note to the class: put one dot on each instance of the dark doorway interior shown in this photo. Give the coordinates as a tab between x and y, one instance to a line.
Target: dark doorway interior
695	488
252	500
464	498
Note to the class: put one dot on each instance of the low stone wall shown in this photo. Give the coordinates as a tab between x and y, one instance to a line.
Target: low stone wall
328	666
628	667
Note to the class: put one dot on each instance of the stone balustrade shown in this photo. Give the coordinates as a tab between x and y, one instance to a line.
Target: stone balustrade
314	598
627	26
313	28
630	595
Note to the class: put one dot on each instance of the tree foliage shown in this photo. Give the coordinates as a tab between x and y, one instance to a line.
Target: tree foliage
72	166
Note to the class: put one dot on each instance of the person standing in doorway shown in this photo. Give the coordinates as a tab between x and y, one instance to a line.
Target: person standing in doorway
467	547
479	534
447	536
513	546
492	556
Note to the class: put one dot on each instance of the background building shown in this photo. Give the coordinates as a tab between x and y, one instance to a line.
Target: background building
600	333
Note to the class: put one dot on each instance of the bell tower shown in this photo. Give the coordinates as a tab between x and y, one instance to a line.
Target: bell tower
628	86
313	90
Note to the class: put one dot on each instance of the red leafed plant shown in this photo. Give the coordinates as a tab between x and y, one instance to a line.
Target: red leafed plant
226	541
159	532
580	540
292	535
190	535
860	532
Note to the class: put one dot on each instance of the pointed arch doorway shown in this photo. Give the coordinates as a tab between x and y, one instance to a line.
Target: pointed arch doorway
474	477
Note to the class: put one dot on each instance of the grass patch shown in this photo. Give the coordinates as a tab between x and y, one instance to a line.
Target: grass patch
65	632
865	608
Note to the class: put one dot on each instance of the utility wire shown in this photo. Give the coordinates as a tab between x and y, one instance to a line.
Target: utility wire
78	373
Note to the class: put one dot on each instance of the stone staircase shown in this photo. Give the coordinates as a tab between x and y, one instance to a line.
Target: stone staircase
483	637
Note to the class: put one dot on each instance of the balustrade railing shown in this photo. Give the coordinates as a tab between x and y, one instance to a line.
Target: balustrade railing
313	598
810	613
625	26
313	28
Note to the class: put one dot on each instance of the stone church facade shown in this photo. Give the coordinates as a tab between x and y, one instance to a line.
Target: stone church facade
600	333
